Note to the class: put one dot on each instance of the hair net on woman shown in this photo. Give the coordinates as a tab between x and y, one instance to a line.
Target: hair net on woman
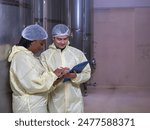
34	32
60	30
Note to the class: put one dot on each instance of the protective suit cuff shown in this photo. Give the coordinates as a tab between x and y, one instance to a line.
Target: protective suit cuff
55	76
76	80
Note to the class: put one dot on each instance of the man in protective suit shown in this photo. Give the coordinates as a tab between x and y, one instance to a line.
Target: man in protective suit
67	97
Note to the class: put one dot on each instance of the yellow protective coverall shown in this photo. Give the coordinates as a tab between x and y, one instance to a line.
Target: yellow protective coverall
29	82
67	97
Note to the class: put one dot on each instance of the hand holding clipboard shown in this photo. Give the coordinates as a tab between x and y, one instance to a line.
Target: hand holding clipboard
77	69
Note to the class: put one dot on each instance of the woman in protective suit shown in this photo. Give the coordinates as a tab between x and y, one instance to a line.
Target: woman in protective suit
29	81
67	97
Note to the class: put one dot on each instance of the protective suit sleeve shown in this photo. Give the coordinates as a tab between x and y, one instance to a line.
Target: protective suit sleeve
43	61
83	76
85	73
31	77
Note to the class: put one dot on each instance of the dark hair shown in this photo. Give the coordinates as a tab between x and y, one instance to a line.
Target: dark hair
24	42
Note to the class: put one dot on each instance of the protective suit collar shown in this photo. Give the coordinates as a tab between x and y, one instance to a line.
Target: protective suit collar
15	49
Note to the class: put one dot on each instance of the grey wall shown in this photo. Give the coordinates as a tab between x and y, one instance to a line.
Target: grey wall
122	46
120	3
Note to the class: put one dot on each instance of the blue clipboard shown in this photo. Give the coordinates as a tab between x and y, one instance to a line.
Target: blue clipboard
77	68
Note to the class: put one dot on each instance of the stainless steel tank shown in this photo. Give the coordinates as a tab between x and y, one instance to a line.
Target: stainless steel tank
79	18
14	16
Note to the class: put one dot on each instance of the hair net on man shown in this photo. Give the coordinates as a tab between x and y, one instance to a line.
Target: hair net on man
34	32
60	30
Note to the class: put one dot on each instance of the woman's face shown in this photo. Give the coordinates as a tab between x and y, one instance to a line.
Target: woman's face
37	45
61	41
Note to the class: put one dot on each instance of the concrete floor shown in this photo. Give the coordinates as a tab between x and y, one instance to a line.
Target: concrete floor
117	100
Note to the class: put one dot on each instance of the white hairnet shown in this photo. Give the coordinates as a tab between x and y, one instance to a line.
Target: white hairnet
34	32
60	30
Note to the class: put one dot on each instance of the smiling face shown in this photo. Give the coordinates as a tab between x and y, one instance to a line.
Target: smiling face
37	45
60	41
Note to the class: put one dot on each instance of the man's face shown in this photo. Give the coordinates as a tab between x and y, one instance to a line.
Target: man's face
61	41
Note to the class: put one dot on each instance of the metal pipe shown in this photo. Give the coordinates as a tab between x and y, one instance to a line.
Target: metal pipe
38	12
45	17
68	13
87	28
22	15
77	23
